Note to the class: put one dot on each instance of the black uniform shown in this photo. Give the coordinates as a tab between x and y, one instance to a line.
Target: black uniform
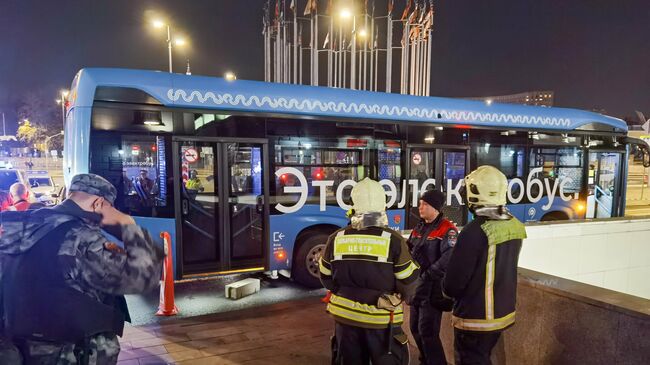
431	246
359	267
482	278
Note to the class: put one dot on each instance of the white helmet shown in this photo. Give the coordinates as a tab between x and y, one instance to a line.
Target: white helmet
368	196
486	186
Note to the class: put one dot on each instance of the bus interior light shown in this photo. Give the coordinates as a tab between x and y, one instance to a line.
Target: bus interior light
439	128
429	139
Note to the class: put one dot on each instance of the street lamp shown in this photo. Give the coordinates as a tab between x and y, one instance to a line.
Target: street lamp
179	41
47	149
64	95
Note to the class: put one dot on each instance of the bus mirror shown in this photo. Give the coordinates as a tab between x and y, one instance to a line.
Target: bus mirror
638	145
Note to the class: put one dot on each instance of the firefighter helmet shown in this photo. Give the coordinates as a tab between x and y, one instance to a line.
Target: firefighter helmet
486	186
368	196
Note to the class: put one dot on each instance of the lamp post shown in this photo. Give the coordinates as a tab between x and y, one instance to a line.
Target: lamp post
64	95
177	41
47	149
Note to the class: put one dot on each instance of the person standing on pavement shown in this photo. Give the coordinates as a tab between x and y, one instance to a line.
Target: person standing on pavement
366	266
20	196
431	243
482	271
64	303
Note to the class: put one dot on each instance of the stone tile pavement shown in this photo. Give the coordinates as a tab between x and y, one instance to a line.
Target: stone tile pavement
293	332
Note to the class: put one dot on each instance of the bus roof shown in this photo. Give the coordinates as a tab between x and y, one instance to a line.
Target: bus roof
201	92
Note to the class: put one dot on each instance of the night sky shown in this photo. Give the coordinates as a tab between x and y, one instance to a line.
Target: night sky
592	53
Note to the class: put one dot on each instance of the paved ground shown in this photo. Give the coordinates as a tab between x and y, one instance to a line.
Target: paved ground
293	332
637	211
200	297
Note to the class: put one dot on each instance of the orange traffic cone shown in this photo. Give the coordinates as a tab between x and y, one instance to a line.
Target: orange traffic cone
167	307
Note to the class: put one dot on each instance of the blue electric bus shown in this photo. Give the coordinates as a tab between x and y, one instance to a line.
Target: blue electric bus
254	176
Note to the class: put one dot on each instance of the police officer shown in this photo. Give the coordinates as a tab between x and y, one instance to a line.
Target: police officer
431	244
365	265
65	304
482	271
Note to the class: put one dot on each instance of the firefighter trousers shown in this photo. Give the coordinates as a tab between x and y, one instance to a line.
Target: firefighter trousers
474	348
360	346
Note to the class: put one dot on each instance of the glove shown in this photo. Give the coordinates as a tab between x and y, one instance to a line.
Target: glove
432	273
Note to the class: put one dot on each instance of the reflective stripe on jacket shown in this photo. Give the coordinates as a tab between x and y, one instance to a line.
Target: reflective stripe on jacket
358	266
482	274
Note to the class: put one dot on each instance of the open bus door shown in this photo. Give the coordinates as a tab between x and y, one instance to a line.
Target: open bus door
222	210
447	165
604	181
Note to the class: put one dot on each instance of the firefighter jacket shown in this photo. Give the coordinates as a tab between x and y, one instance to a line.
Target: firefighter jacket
431	245
360	265
482	274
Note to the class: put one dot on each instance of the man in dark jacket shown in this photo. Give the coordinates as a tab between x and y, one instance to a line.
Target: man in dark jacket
482	271
63	281
431	244
364	266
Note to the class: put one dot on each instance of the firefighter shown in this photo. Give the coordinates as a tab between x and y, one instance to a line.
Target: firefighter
367	268
482	271
431	244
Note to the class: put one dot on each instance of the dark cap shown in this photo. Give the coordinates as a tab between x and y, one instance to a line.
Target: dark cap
434	198
95	185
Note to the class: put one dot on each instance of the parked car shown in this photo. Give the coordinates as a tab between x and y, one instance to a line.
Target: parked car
42	186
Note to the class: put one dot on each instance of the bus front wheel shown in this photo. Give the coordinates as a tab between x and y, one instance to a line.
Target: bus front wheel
554	216
305	265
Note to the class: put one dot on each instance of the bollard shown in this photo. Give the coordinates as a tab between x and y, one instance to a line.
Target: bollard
167	306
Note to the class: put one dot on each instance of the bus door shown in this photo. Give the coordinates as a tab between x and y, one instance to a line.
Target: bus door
447	166
604	184
222	211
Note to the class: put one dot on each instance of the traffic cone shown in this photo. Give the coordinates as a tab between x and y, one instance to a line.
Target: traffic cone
167	307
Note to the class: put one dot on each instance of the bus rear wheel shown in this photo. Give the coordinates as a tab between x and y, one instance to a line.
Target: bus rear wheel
305	268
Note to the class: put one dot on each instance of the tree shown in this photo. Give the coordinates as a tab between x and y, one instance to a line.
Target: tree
42	118
29	133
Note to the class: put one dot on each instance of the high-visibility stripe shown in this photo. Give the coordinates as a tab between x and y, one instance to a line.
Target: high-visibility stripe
324	270
489	281
339	257
483	324
363	313
406	272
361	244
386	235
366	308
362	317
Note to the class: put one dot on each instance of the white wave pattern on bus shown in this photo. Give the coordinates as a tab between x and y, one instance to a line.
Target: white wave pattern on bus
376	109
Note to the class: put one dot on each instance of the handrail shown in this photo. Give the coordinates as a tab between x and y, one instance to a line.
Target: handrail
600	203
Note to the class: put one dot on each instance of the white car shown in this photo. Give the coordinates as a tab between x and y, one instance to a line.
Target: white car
42	186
